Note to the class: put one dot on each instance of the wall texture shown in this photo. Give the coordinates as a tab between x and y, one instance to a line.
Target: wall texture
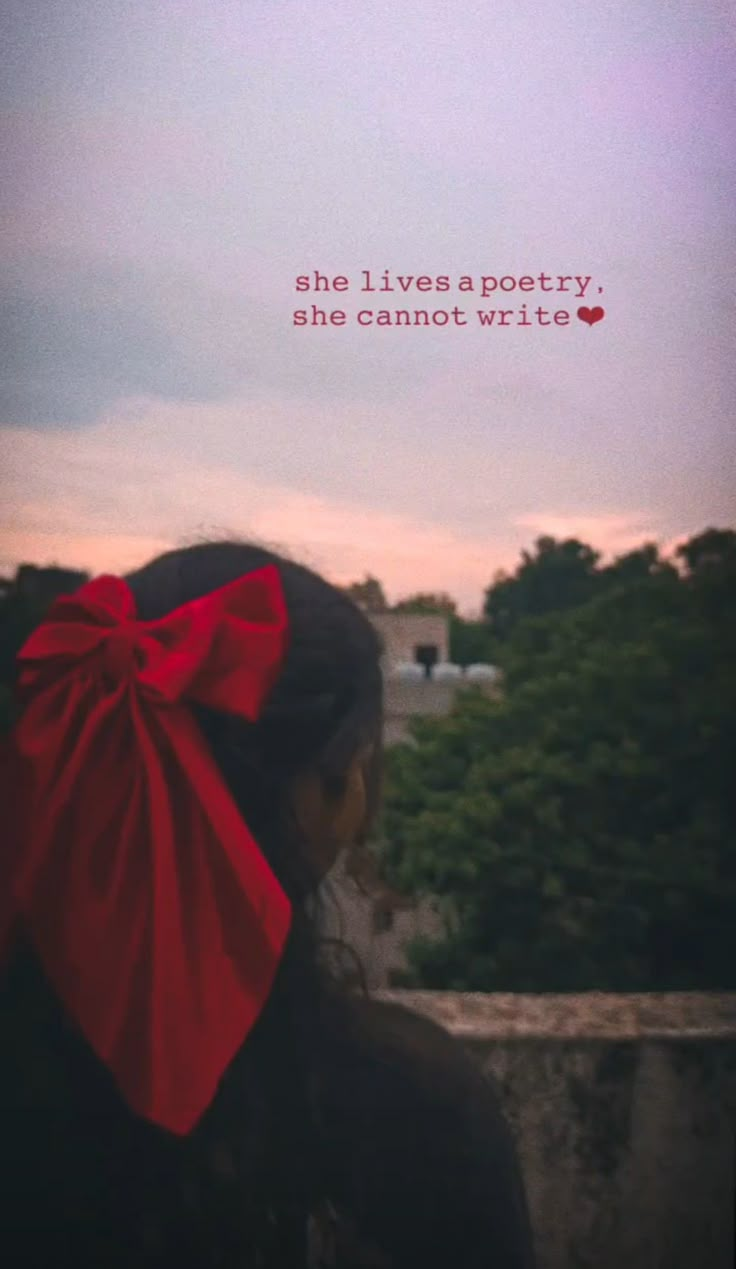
351	914
401	632
624	1109
422	698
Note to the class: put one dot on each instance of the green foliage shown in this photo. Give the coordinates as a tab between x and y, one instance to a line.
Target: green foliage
368	593
18	616
472	641
23	604
582	829
427	602
558	576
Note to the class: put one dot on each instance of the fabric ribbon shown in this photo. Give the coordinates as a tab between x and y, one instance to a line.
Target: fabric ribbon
154	913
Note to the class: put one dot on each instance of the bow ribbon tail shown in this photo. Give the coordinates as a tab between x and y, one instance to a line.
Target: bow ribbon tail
216	959
163	927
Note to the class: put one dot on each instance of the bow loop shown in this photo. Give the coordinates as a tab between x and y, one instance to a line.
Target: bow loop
76	628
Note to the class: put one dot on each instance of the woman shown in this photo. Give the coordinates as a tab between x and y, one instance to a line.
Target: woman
183	1080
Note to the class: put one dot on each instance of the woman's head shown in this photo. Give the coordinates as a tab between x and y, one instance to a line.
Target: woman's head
305	779
306	775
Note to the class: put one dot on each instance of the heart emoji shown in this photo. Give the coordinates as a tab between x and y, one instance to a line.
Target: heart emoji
591	315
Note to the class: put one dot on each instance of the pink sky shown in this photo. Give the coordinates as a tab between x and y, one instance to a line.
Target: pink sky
172	169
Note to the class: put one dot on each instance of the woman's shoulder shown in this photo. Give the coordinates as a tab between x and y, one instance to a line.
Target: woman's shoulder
393	1047
393	1026
405	1074
421	1154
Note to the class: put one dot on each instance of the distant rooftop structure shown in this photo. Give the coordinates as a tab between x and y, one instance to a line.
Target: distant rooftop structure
481	672
413	638
446	672
419	678
408	672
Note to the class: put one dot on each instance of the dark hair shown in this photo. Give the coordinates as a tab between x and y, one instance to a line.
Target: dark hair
89	1181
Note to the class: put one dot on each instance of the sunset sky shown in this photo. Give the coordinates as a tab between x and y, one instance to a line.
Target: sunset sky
171	168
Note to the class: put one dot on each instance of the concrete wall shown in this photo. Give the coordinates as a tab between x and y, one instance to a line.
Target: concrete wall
405	700
427	698
624	1109
402	632
352	915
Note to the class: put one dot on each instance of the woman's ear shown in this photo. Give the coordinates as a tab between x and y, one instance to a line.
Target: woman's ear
329	823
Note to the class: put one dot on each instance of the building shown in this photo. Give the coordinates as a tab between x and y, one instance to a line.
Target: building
419	680
413	638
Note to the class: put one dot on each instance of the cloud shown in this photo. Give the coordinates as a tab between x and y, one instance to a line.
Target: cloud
404	457
364	491
612	533
82	332
126	494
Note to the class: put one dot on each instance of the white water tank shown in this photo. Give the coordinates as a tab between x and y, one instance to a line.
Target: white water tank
446	672
481	672
407	671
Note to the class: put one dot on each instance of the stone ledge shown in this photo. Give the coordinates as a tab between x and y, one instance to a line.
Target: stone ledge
582	1016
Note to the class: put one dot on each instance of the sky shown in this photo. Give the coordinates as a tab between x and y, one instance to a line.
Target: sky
171	168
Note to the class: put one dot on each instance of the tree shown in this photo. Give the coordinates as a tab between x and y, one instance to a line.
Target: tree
554	577
23	602
471	641
713	550
368	594
637	565
427	602
581	829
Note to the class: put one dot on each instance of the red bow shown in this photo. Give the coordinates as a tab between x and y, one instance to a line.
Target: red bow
154	913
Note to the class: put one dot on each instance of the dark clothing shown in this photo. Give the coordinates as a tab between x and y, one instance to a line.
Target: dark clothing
406	1161
421	1164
